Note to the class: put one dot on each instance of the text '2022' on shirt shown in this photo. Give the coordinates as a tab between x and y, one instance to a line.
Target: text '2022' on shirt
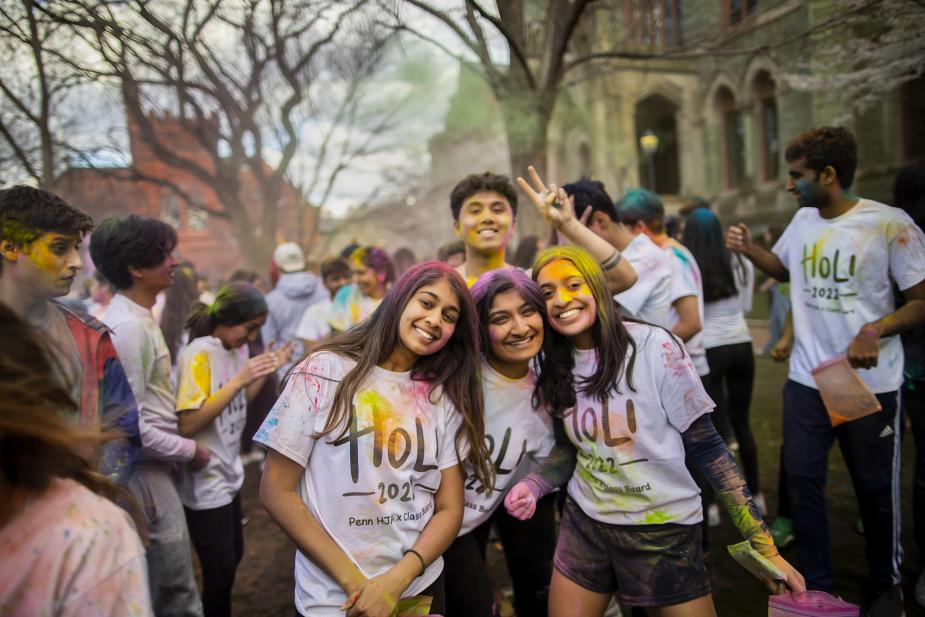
370	484
842	272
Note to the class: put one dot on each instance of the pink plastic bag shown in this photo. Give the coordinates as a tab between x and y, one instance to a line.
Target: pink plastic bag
810	604
845	395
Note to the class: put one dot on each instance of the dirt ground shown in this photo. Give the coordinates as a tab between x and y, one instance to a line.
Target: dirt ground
264	584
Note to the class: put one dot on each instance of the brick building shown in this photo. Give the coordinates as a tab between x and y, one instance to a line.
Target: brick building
206	240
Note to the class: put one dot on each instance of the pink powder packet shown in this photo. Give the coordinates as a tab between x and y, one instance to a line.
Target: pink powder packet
810	604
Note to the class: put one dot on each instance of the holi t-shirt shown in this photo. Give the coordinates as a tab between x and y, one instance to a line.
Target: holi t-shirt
630	468
371	486
724	320
686	281
841	276
350	307
204	367
71	552
516	433
649	299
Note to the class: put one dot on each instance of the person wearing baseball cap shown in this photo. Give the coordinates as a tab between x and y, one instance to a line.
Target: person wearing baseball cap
296	290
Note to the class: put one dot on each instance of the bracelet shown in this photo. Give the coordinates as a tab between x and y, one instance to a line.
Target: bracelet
418	555
611	262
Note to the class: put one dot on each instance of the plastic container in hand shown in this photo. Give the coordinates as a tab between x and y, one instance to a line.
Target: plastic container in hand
844	393
810	604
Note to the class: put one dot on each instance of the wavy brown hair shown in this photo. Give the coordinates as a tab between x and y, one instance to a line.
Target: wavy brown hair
453	370
38	442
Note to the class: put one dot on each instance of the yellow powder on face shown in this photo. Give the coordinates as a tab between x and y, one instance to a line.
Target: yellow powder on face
561	270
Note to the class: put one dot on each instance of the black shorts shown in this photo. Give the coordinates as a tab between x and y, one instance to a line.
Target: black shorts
644	565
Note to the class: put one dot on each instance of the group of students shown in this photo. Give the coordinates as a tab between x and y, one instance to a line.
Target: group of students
464	398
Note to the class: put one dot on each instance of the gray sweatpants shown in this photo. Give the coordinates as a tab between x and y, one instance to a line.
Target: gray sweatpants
170	563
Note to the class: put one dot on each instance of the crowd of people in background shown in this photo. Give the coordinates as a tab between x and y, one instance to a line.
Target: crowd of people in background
585	398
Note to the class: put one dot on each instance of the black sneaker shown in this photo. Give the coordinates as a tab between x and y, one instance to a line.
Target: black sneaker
887	603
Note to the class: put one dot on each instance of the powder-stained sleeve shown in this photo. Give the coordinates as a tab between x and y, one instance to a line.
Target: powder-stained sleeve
302	408
704	445
194	377
680	388
555	469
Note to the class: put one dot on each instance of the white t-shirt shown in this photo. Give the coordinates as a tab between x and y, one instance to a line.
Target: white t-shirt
516	434
204	367
724	320
630	468
72	553
314	324
841	276
649	299
372	489
686	281
144	355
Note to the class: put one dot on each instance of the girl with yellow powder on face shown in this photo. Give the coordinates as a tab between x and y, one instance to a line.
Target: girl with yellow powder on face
373	273
366	446
215	381
633	406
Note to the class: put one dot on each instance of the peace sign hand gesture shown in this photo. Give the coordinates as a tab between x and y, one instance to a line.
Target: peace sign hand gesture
551	202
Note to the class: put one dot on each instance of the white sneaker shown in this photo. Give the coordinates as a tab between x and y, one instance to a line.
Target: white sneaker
761	505
713	515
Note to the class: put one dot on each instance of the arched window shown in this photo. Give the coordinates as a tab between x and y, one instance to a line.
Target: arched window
652	23
733	137
658	160
768	125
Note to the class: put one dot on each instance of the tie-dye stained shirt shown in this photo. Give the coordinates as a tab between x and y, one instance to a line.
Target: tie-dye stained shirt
371	487
69	553
631	468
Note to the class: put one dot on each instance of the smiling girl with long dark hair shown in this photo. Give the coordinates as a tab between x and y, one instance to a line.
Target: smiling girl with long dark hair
633	405
366	444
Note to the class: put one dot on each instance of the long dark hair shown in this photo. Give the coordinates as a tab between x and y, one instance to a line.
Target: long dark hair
454	369
177	301
703	237
555	385
500	281
235	303
37	440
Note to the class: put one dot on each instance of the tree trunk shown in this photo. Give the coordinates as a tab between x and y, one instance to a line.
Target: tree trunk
526	120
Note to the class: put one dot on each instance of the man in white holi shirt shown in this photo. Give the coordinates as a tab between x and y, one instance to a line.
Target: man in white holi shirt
843	255
135	255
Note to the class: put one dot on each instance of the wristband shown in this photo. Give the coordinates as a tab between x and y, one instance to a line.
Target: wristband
421	559
611	262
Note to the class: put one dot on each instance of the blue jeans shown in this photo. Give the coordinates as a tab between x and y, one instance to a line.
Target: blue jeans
871	448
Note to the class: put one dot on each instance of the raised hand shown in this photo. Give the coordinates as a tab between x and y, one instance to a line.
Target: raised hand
738	238
552	203
283	352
